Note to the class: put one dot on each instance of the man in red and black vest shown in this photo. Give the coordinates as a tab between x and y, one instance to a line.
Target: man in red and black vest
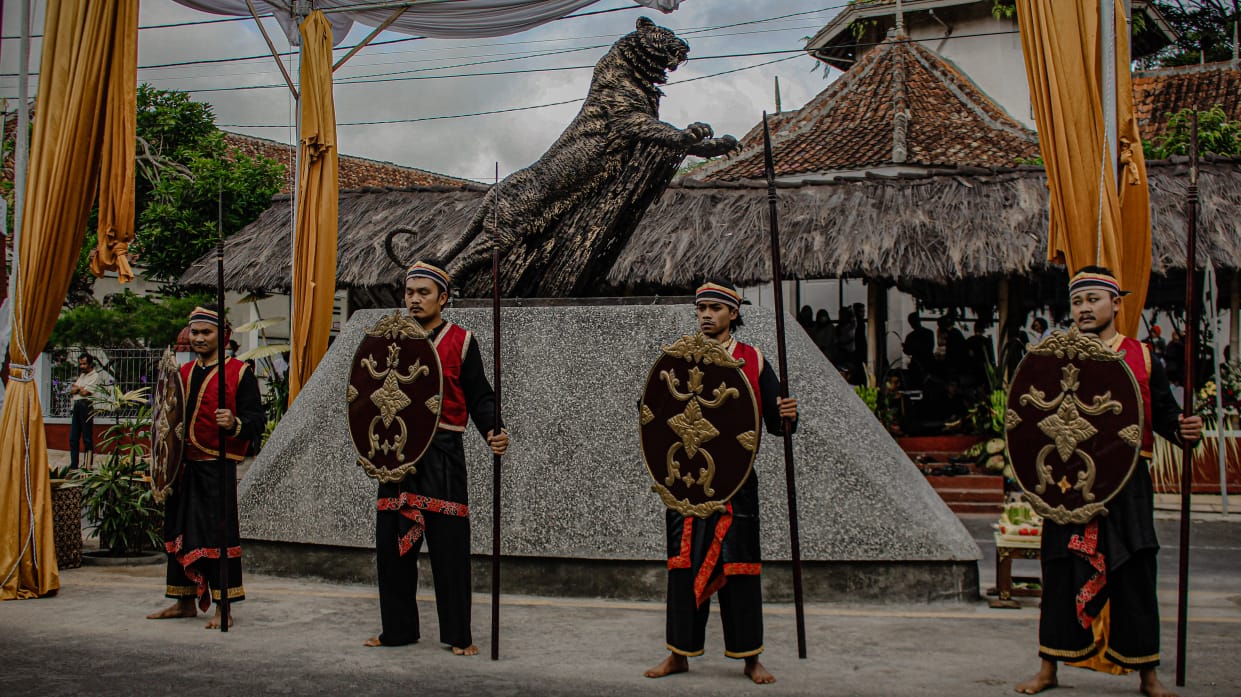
434	501
192	512
1099	608
720	554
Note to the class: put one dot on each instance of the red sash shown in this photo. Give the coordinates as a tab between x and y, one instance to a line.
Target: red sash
203	440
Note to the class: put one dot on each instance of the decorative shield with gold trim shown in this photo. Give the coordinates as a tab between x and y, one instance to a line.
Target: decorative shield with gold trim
167	427
1073	426
394	396
699	425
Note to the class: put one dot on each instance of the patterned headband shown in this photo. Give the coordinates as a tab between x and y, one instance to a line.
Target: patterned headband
202	314
421	269
1095	281
717	293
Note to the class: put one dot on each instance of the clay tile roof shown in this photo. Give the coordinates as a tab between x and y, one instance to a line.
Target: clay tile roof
1158	93
899	95
354	172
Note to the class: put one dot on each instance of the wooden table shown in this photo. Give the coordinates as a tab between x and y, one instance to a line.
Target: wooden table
1006	549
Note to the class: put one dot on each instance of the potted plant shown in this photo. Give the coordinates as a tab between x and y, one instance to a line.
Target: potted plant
116	494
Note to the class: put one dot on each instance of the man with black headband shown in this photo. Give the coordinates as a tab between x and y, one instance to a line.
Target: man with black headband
730	565
1099	608
434	501
193	510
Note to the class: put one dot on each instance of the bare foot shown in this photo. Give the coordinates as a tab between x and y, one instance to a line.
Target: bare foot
674	663
181	608
1151	685
1045	679
373	641
214	622
757	673
470	650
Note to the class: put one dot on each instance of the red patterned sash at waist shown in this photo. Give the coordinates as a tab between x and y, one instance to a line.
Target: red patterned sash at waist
1087	545
410	506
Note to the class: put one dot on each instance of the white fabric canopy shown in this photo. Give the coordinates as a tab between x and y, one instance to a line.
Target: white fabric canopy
441	19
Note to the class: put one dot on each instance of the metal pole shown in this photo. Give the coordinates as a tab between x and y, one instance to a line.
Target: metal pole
1187	451
1107	37
496	460
777	287
221	376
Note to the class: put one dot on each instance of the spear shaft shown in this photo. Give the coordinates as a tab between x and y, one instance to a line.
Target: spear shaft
777	287
224	466
495	459
1191	340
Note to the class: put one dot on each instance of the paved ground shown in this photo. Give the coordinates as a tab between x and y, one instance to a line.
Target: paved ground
297	636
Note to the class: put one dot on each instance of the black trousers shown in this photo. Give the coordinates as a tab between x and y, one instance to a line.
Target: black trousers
1133	637
448	543
82	426
192	529
741	612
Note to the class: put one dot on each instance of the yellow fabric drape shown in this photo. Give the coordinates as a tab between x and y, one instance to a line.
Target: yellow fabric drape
79	39
1063	57
314	254
116	185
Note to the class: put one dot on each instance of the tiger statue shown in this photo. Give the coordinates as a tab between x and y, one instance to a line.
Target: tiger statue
617	129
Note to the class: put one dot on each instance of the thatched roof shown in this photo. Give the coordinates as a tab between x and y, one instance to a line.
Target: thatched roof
940	228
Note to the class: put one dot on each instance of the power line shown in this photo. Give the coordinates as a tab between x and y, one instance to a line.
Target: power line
507	110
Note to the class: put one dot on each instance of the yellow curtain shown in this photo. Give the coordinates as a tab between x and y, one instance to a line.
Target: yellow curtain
314	253
1063	58
79	40
116	186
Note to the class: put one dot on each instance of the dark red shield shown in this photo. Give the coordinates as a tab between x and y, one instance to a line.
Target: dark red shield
167	427
394	396
1074	426
699	426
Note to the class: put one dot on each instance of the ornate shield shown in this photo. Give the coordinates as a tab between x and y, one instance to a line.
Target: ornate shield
699	426
1073	425
167	427
394	395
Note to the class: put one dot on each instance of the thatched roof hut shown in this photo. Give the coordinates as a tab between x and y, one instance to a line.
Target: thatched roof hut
942	228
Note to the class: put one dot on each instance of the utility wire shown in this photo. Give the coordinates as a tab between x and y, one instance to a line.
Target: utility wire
507	110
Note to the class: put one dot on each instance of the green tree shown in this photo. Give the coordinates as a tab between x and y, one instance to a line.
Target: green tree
1216	135
1204	31
183	168
125	320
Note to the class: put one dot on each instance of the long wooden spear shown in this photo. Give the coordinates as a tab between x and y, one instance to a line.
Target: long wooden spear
777	287
495	459
1191	352
220	376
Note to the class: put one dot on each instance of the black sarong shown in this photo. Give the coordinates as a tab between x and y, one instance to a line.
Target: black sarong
192	530
431	504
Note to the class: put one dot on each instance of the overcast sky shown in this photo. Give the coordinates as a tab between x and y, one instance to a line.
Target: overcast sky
469	147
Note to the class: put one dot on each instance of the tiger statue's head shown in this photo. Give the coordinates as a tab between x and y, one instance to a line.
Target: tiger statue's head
652	51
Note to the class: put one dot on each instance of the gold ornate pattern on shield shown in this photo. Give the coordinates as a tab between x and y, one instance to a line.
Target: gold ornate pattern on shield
1073	425
394	368
698	423
167	427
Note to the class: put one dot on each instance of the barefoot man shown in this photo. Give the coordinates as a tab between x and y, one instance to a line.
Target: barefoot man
1072	626
192	512
730	565
434	501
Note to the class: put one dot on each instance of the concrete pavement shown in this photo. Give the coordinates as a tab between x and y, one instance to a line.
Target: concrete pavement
302	637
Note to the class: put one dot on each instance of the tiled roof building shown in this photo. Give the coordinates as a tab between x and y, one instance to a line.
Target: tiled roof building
1158	93
354	172
901	105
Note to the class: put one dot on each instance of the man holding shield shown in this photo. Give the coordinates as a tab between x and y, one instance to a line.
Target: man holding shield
1103	571
192	512
719	554
433	501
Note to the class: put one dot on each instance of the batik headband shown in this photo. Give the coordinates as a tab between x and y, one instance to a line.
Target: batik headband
1090	280
422	269
202	314
717	293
